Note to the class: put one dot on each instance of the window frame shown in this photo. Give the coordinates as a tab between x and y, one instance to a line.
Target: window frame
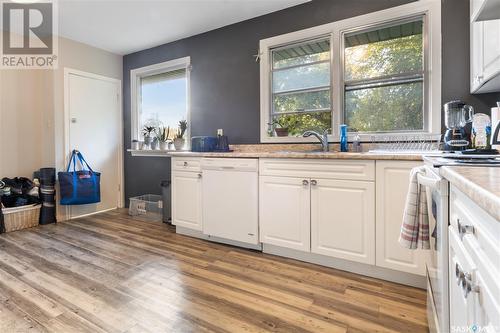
135	91
430	10
328	88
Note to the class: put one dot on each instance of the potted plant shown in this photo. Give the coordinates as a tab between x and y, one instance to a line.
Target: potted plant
147	132
280	127
179	136
162	136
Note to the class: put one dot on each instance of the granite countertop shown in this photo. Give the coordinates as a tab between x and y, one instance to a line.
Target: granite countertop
481	184
304	154
306	151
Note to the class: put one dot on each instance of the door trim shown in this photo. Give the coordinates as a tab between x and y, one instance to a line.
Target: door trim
66	135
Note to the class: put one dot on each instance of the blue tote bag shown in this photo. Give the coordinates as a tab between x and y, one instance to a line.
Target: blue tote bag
79	187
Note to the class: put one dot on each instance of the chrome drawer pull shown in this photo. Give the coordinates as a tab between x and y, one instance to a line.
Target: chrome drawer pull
459	274
468	286
464	229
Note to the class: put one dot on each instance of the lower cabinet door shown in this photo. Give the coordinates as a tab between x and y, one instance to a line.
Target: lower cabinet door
186	200
343	219
392	181
462	303
284	212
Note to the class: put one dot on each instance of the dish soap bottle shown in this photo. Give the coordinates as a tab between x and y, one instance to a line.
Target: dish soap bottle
343	138
356	144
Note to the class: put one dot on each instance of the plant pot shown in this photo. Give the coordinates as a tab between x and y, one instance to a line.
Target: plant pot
179	144
147	142
281	131
164	145
154	145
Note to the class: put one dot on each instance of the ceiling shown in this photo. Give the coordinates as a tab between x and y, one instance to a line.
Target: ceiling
126	26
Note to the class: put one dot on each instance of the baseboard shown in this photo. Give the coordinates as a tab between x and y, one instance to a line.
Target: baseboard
350	266
199	234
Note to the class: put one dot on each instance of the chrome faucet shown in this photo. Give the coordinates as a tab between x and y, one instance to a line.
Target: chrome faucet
322	138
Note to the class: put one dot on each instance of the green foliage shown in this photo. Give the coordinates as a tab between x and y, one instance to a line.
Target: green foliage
299	123
163	134
390	108
182	129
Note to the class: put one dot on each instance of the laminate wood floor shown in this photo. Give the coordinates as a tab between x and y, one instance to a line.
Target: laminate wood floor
110	273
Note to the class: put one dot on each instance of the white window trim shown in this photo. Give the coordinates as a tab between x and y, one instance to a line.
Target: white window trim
135	91
431	9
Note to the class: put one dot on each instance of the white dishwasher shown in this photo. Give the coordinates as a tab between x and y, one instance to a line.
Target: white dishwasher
230	199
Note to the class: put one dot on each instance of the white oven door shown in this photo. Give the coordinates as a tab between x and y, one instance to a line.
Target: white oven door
437	265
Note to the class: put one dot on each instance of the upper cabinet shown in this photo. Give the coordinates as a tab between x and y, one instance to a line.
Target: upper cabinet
484	10
485	46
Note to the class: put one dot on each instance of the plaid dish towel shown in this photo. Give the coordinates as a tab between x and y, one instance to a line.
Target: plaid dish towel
415	228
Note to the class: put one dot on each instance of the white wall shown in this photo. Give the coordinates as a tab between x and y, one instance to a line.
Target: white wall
32	109
25	112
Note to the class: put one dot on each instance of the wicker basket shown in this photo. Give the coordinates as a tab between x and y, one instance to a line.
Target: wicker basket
18	218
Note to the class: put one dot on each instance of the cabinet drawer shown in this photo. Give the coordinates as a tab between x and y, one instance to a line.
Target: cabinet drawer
320	168
186	164
475	226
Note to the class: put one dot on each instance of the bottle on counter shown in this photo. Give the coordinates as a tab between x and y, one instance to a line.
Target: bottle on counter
344	147
356	144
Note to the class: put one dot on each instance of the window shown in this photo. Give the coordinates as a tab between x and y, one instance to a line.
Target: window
301	87
161	96
378	73
384	78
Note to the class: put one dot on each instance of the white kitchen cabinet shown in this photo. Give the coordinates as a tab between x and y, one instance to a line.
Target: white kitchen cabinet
484	52
392	180
461	304
284	212
343	219
474	247
187	200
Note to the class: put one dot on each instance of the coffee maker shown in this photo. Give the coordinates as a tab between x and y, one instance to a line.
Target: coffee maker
457	115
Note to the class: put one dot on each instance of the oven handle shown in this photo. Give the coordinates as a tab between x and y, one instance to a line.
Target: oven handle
427	181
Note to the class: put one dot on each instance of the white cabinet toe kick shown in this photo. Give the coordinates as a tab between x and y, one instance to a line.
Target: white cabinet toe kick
320	211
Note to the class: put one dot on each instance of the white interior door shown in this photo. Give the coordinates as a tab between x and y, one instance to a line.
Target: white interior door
94	128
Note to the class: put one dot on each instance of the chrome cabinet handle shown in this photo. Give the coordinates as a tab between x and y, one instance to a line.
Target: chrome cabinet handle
314	182
185	164
199	175
468	286
464	229
459	274
305	182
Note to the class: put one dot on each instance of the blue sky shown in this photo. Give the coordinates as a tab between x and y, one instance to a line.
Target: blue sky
164	101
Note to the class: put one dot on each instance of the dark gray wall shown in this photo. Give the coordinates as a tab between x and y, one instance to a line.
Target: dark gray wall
456	57
225	77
